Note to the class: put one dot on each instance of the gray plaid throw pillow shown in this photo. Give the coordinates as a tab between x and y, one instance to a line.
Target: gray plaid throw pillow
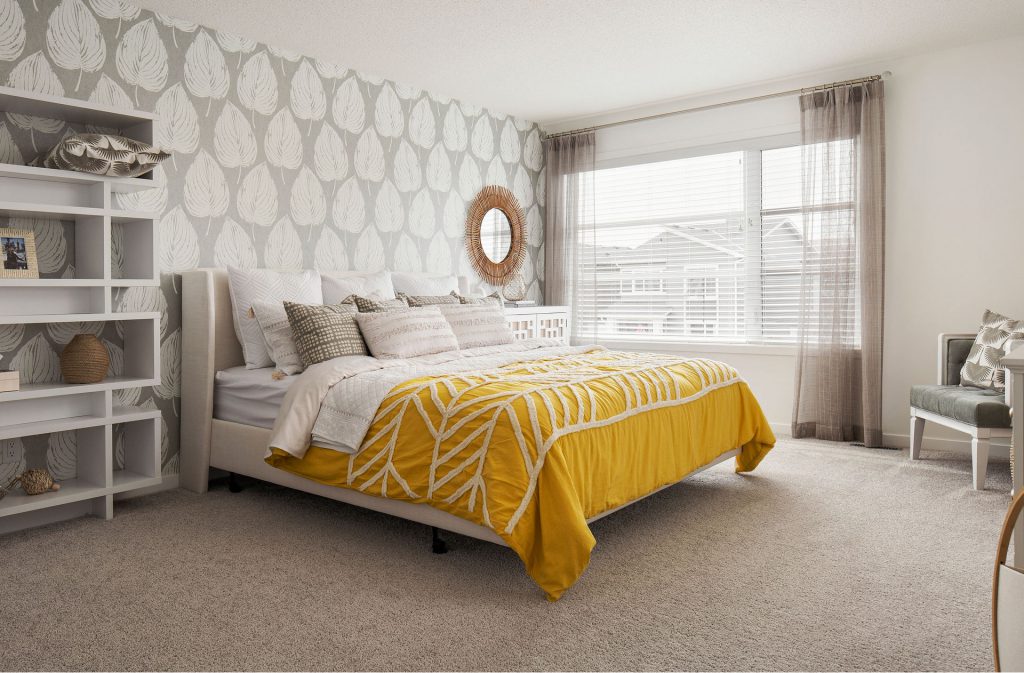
322	332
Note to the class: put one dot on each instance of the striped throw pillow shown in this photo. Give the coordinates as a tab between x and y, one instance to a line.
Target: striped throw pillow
478	325
407	333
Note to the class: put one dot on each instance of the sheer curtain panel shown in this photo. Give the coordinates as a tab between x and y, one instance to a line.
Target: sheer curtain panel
838	387
569	208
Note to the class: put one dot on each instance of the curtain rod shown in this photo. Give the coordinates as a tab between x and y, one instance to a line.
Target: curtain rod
702	108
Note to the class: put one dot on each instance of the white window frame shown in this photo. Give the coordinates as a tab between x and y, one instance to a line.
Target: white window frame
751	147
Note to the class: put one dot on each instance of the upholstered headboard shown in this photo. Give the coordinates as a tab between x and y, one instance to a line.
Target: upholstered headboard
208	345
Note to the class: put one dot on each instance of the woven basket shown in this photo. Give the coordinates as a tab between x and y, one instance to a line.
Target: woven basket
84	360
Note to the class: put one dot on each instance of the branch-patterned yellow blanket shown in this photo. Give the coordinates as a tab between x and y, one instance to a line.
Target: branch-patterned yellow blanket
534	448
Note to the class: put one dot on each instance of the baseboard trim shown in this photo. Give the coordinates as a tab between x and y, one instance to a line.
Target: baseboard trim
1000	447
170	482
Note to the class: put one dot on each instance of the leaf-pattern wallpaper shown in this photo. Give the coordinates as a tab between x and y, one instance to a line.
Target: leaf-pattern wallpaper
280	161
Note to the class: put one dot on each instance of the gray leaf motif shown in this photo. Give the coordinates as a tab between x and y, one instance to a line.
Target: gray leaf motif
206	190
422	129
349	108
369	252
388	117
407	172
11	336
307	203
12	30
141	58
9	152
330	161
283	249
74	40
454	129
439	255
349	208
179	245
509	143
283	142
206	73
234	247
330	252
108	92
257	85
422	221
389	214
307	97
178	130
61	452
36	362
233	139
257	197
170	367
407	255
439	170
33	73
369	158
483	138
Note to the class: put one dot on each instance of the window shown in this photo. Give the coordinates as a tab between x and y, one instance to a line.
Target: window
705	248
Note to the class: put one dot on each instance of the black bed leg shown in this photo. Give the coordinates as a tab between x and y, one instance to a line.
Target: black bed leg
234	485
438	546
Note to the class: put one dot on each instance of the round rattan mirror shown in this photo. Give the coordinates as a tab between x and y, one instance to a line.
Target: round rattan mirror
496	235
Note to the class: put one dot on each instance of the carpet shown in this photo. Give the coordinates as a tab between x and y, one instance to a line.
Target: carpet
827	557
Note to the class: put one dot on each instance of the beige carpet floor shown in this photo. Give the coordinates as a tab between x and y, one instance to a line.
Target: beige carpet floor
827	557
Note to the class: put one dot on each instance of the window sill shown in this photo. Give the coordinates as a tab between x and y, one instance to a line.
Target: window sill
697	349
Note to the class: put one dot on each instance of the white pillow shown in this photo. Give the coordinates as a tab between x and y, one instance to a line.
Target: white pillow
339	286
406	333
248	286
477	325
277	332
418	284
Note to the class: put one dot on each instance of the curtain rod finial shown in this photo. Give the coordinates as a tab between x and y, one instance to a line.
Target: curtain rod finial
886	74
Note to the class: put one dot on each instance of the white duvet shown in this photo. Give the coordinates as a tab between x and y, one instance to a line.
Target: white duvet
332	404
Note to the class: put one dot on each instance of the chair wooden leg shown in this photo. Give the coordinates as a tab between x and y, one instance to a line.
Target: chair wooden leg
916	433
979	461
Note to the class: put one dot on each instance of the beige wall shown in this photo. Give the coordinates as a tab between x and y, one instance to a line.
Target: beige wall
955	227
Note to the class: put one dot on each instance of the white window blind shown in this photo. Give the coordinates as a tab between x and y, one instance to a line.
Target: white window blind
698	249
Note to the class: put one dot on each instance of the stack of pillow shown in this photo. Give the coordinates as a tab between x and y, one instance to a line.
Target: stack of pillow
294	320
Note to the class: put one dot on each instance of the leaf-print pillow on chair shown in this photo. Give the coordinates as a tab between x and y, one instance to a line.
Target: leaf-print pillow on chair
103	154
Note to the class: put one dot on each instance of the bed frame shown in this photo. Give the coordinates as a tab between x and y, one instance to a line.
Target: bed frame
209	345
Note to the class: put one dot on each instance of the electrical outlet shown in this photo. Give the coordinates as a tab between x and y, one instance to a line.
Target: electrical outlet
8	451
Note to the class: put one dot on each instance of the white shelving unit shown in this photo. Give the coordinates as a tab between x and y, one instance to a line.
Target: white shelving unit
91	411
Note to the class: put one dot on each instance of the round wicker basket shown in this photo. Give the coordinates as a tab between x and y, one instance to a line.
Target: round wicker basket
84	360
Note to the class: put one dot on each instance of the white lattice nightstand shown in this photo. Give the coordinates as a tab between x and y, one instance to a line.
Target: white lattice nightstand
528	322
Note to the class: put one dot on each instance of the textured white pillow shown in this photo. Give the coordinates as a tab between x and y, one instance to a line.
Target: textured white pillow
406	333
277	332
339	286
418	284
248	286
478	325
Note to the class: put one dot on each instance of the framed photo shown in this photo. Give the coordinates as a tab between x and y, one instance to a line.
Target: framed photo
18	254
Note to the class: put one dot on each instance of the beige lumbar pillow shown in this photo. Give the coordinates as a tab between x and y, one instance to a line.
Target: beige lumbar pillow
478	325
407	333
983	367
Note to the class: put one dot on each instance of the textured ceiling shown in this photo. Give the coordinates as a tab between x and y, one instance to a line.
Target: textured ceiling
548	60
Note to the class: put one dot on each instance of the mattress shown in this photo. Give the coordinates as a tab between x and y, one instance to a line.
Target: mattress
249	396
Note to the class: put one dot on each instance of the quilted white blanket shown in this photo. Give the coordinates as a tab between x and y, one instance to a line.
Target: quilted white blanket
333	403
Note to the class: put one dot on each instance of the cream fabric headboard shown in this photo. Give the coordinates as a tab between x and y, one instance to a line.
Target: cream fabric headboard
208	345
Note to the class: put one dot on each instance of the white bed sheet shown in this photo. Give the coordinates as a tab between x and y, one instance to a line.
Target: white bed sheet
249	396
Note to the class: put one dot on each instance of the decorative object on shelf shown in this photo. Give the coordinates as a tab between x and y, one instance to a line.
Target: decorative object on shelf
18	251
9	382
516	288
33	482
103	154
496	235
84	360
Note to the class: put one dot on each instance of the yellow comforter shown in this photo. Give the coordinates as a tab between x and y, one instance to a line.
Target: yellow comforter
533	449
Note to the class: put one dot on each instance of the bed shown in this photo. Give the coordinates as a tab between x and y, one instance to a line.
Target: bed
522	446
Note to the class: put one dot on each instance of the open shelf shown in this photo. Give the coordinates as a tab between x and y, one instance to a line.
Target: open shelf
48	426
88	411
120	185
71	490
75	317
37	390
